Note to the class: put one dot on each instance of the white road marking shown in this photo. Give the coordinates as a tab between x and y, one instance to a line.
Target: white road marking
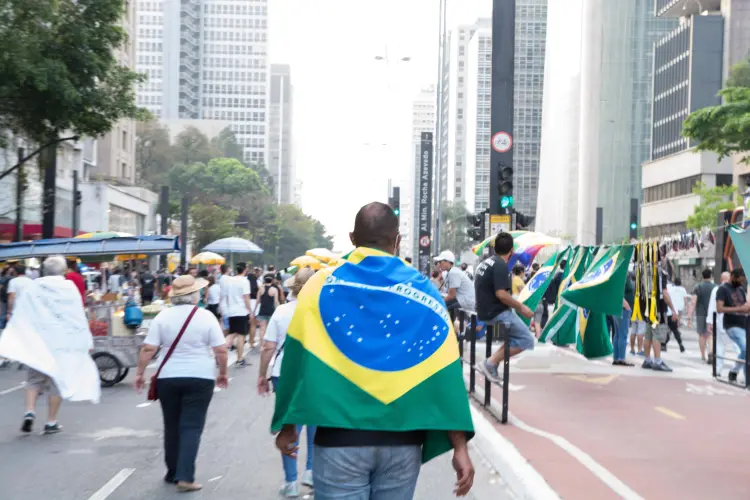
709	390
12	389
214	479
510	464
584	458
112	485
143	405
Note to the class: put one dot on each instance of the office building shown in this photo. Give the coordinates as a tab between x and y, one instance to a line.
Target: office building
690	69
207	59
530	42
423	120
596	123
280	138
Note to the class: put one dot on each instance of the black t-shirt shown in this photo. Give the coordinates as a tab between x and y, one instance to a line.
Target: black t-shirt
732	296
253	279
330	437
148	282
662	280
492	275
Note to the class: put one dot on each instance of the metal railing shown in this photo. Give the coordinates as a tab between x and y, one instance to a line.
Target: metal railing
746	361
466	317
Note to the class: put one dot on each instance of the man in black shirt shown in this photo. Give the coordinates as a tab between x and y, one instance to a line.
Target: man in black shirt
731	299
148	284
495	304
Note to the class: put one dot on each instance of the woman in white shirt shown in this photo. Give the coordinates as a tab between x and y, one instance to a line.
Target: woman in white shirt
186	381
273	351
213	297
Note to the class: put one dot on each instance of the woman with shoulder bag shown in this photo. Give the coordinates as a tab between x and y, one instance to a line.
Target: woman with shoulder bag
184	382
273	350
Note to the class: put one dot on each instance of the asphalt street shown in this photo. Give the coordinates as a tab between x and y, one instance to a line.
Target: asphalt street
114	450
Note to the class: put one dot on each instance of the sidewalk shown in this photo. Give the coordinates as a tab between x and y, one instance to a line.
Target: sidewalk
593	430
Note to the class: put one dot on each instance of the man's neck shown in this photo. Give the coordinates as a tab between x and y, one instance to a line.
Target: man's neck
384	250
506	258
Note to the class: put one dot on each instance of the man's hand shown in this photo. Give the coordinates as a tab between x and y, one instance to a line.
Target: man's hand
263	388
140	383
464	471
222	381
286	441
746	307
526	312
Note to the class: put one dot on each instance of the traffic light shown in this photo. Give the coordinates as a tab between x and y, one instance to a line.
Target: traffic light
634	209
475	231
396	201
77	198
505	187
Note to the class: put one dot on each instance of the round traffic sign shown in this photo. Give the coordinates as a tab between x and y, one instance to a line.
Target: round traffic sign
424	241
502	142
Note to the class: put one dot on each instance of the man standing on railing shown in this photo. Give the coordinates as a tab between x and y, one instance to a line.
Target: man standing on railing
457	290
731	299
495	304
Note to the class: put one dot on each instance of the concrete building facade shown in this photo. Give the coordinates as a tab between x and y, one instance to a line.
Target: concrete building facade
280	133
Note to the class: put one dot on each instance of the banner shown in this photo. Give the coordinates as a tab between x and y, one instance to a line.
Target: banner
602	287
592	339
425	203
49	332
535	289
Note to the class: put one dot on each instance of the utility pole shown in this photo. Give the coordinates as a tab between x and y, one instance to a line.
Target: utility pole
20	188
76	204
184	232
439	123
48	162
501	107
164	216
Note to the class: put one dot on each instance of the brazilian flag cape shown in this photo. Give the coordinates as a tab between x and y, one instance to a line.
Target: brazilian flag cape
371	347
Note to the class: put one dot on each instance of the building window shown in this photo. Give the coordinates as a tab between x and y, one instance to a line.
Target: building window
124	140
124	170
671	189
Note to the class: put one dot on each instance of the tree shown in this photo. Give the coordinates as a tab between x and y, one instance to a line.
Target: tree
739	75
221	180
209	222
227	146
322	240
153	153
192	146
712	200
453	227
59	71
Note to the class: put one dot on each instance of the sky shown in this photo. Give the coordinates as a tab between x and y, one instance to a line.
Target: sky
351	113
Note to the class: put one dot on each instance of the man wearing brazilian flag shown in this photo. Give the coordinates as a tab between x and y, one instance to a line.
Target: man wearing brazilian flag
371	359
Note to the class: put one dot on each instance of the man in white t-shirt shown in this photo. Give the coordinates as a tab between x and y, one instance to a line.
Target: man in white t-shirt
16	287
224	318
235	299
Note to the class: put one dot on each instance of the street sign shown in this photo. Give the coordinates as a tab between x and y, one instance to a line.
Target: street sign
424	241
502	142
499	224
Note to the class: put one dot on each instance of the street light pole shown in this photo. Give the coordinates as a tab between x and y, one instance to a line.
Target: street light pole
439	124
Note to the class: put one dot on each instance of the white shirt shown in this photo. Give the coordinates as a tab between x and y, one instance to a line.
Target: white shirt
17	286
276	332
712	310
114	283
233	291
678	295
214	294
193	356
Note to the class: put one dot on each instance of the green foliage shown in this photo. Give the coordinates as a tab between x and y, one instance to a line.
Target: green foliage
723	129
453	226
713	200
220	180
739	75
58	68
227	146
153	154
209	222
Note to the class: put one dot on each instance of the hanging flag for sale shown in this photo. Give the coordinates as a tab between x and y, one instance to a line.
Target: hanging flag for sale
592	339
602	287
741	241
535	289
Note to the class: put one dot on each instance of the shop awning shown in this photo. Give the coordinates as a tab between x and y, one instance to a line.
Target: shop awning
147	245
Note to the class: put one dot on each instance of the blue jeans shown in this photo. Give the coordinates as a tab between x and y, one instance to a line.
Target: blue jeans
620	340
519	334
737	335
366	473
3	314
289	463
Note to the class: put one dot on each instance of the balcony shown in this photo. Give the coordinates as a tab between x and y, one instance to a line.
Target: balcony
680	8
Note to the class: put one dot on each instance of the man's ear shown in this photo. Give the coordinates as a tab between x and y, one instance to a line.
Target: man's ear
351	238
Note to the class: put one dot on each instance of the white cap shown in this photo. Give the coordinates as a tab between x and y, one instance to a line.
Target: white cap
446	255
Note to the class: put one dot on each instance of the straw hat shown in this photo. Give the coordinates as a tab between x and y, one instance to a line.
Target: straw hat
185	285
300	277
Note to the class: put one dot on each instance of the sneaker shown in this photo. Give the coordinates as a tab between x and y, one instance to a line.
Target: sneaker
660	366
682	348
290	490
641	353
647	364
52	428
307	478
28	422
241	362
632	352
490	371
733	377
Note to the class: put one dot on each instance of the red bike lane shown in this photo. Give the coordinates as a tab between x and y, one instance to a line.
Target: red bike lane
647	436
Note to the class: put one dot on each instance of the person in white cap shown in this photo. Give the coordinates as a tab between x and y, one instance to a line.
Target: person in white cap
457	290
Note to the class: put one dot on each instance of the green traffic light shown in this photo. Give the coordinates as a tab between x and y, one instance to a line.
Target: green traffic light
633	226
397	211
506	202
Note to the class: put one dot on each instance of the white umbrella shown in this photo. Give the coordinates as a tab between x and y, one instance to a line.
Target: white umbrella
233	245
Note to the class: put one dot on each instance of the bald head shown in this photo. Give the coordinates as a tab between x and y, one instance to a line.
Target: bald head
725	277
376	226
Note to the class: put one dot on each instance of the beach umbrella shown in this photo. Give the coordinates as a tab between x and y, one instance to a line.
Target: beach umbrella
526	244
208	258
233	245
307	261
101	235
322	254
